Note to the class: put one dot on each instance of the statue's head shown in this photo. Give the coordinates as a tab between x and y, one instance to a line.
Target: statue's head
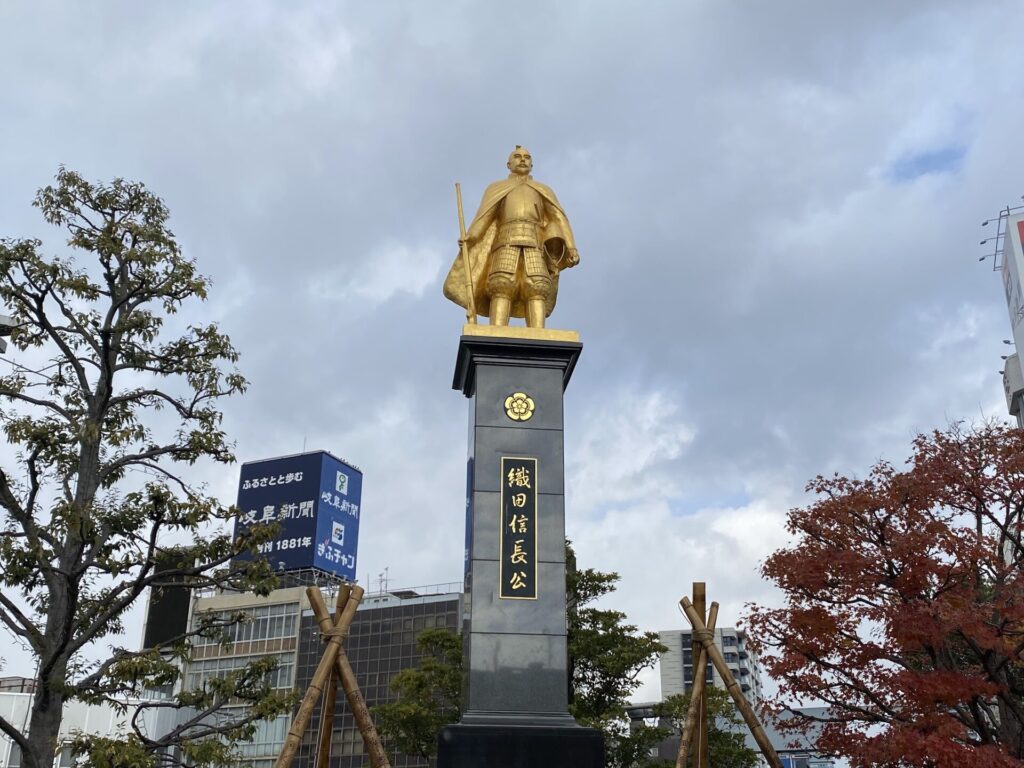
520	162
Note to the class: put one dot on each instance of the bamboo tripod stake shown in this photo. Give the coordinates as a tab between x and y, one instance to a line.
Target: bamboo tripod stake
696	696
333	665
343	671
700	631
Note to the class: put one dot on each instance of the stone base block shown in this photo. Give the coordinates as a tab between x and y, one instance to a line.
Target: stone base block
514	746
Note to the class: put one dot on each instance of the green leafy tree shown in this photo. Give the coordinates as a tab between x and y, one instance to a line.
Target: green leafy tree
606	655
429	696
726	743
102	408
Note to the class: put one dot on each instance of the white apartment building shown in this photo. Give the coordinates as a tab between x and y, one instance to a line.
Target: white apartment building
676	664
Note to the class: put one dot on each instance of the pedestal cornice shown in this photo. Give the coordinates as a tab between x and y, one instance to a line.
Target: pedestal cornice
527	348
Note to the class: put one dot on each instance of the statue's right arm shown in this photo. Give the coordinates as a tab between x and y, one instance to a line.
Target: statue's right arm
475	231
483	217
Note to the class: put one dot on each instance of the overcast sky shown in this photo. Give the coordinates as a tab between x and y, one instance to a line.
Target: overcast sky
776	207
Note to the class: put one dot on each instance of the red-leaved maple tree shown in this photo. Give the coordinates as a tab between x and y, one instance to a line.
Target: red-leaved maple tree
904	606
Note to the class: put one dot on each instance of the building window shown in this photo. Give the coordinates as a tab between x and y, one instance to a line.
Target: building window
201	671
263	622
268	738
65	759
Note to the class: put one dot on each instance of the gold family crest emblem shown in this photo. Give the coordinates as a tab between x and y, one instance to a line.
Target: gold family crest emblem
519	406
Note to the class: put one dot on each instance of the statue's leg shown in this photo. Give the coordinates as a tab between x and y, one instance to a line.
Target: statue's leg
535	313
500	306
501	283
537	286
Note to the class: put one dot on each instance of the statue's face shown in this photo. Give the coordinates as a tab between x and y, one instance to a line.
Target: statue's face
520	162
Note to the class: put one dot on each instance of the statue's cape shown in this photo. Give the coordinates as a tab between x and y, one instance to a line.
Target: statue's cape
556	235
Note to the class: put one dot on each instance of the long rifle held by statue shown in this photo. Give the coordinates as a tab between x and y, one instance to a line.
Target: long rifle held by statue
471	303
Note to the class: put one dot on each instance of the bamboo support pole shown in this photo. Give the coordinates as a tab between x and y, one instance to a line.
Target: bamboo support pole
356	702
700	757
701	631
696	694
320	678
323	750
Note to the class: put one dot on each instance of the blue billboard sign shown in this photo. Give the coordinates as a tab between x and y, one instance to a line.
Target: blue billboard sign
315	500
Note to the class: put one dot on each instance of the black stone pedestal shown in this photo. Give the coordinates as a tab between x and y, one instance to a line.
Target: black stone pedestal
515	657
492	746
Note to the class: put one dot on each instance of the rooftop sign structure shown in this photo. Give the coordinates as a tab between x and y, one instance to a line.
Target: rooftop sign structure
315	498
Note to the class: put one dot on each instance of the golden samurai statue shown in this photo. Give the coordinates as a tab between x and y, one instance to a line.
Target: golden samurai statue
514	249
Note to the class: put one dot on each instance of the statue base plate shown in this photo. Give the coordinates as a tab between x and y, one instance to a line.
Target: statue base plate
519	332
513	746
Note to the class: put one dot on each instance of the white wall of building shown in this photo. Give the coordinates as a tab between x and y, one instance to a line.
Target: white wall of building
78	717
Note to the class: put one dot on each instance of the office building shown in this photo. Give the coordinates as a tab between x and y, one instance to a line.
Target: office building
381	642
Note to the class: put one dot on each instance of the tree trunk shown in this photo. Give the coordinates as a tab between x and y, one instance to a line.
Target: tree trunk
51	674
44	724
1011	735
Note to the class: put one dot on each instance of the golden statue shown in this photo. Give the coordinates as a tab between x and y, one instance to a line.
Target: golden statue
515	247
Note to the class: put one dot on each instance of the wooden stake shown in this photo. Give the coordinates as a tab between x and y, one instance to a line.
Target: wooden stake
696	695
701	751
701	631
320	677
356	702
323	750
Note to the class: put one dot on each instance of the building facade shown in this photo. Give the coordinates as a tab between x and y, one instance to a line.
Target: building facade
676	664
381	643
1008	259
78	717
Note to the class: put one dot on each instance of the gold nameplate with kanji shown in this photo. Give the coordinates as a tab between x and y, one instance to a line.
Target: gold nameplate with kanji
517	569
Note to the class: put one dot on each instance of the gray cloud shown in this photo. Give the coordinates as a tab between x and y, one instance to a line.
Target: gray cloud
778	274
